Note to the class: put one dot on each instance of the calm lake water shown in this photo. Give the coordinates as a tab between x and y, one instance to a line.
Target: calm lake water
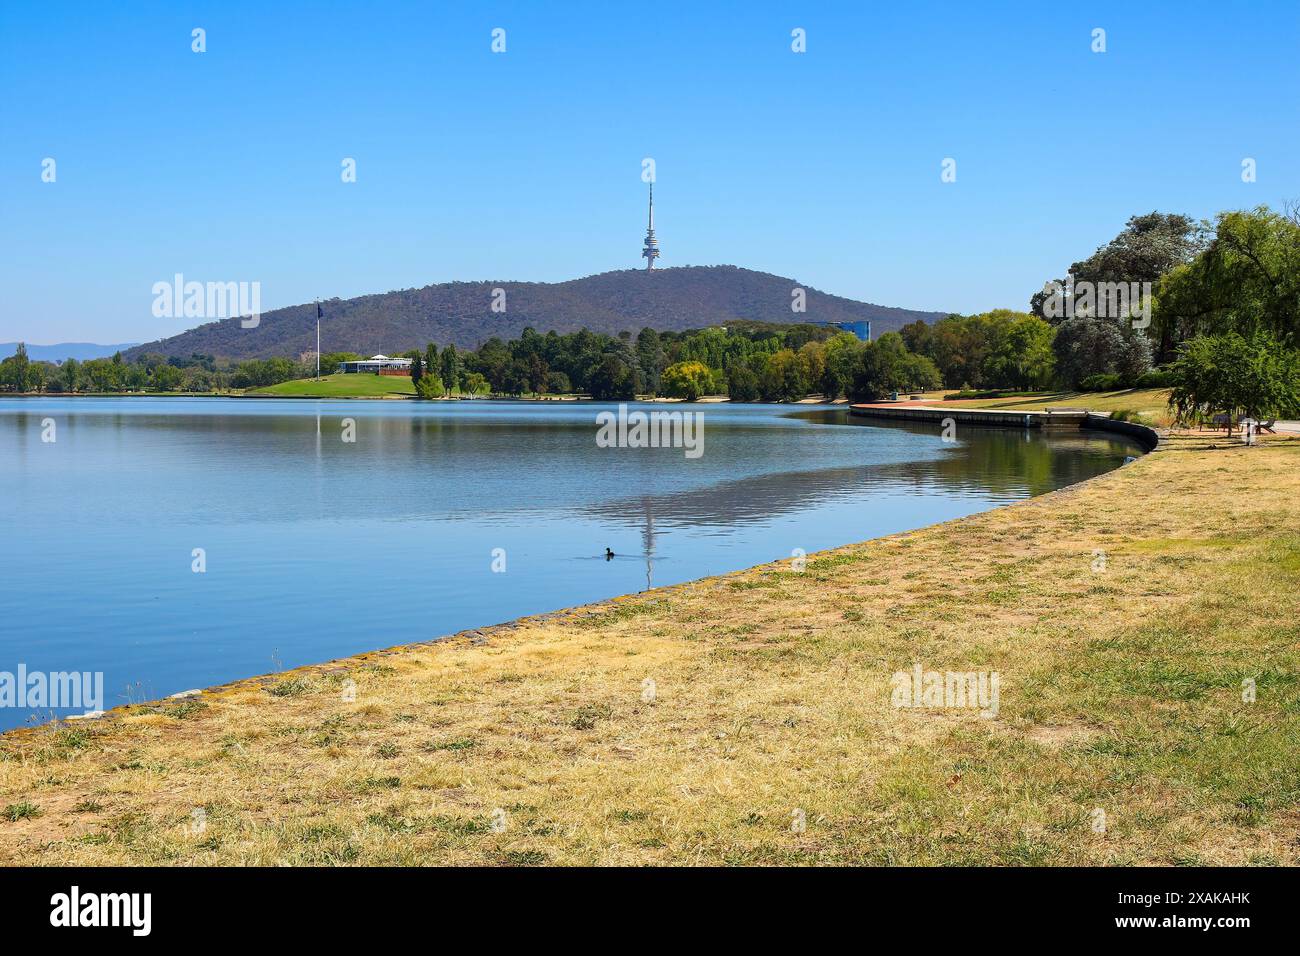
318	548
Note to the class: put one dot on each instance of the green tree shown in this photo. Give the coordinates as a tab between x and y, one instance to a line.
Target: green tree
38	376
1087	347
1255	376
103	375
1148	247
492	360
70	375
330	361
688	380
450	367
959	346
887	366
165	378
783	378
1021	354
473	384
538	374
196	379
651	359
516	377
611	379
742	383
15	369
430	386
812	363
918	336
1246	280
259	373
843	355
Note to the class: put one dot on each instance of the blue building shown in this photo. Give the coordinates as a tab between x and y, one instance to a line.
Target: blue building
861	329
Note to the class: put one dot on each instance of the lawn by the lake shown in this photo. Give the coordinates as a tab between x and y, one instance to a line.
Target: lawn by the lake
1151	403
1145	627
343	386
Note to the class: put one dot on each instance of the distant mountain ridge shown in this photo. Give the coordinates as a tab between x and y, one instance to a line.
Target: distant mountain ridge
689	297
65	350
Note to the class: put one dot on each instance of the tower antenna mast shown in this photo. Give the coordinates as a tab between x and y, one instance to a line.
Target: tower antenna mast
651	250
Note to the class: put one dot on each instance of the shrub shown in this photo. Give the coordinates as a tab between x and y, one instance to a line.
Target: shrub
291	687
1156	378
430	386
1102	382
1130	415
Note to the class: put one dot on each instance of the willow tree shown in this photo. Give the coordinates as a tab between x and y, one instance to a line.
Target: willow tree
1247	280
1253	376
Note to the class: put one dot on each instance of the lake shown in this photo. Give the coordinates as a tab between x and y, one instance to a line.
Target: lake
314	547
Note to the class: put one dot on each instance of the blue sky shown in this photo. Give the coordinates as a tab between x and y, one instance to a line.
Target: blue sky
823	166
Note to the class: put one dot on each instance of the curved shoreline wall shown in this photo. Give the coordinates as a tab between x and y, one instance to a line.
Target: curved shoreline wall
1145	436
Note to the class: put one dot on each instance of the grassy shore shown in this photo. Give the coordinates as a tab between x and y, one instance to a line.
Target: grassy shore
1122	615
1150	403
341	386
359	386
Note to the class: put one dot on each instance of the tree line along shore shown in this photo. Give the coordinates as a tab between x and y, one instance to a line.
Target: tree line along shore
1208	310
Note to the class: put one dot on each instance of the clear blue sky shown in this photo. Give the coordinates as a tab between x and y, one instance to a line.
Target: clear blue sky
471	165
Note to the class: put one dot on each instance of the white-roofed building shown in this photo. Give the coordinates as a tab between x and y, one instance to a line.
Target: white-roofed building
377	365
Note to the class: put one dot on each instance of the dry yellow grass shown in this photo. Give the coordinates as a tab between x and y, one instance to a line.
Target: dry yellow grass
1152	404
1122	614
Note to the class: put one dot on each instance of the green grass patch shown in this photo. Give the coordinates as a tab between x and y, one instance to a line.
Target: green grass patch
359	385
293	687
21	811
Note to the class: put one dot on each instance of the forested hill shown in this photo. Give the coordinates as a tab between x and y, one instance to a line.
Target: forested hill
461	312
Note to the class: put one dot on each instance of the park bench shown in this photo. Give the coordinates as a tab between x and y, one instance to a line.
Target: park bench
1260	426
